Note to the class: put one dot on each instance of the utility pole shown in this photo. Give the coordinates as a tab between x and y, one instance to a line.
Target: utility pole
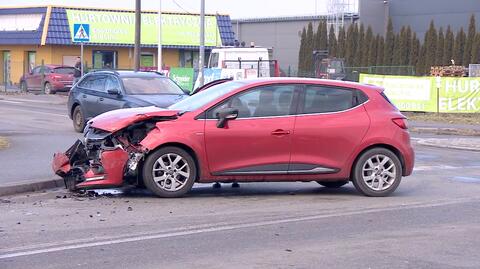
159	53
202	42
138	23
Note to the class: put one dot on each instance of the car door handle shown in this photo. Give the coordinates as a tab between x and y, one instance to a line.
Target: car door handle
101	99
280	132
84	96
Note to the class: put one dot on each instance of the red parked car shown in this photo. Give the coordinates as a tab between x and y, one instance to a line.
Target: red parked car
270	129
57	78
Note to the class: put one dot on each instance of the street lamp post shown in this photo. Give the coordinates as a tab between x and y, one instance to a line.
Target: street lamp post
202	42
138	22
159	52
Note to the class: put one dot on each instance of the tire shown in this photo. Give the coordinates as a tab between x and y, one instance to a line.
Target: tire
377	172
48	88
78	119
163	163
333	184
24	86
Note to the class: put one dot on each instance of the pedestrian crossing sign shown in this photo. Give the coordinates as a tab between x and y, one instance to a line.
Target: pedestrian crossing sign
81	32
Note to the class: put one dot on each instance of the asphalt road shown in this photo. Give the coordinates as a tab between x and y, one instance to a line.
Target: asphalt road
36	127
431	221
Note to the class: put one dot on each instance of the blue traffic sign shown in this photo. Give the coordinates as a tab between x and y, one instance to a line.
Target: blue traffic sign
81	32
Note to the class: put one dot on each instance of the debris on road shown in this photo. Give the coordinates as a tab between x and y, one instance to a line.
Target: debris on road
3	143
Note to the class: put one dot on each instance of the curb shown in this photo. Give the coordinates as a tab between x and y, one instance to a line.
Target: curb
427	142
30	186
445	131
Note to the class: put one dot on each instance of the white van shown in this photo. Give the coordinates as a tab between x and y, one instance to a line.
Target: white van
242	58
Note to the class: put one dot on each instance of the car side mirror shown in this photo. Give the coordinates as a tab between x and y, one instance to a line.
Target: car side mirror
186	92
226	114
114	91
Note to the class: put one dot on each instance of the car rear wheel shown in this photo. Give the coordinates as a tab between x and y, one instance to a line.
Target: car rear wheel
377	172
333	184
169	172
78	119
49	88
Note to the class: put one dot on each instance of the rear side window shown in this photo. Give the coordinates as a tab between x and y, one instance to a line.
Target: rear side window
386	98
321	99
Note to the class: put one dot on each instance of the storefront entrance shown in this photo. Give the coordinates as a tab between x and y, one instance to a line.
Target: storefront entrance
104	59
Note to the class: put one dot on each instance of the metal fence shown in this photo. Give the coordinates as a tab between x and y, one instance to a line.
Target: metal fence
353	73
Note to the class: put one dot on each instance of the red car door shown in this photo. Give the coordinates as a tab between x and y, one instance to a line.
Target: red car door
34	79
258	142
330	124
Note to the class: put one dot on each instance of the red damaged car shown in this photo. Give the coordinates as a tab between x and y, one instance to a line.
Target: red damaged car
270	129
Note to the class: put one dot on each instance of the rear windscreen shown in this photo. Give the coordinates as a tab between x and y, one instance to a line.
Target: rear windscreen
64	70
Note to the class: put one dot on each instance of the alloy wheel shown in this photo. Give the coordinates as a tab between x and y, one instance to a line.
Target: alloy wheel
171	172
379	172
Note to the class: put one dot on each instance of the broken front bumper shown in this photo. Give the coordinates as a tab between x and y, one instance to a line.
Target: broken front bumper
101	160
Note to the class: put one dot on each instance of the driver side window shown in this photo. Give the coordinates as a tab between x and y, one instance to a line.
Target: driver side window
268	101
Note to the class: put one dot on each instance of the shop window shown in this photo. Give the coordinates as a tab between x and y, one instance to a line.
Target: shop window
30	61
104	59
146	60
189	58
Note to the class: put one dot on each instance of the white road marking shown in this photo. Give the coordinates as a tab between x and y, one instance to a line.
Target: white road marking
37	112
60	246
10	102
35	101
443	167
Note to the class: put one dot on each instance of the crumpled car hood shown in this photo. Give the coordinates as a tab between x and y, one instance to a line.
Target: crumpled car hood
115	120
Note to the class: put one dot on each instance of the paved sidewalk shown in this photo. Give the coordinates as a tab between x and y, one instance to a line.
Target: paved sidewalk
463	143
444	128
53	99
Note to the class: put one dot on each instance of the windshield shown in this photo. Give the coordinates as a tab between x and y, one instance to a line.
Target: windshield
202	98
150	85
64	70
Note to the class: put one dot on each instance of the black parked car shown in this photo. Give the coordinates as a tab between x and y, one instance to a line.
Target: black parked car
102	91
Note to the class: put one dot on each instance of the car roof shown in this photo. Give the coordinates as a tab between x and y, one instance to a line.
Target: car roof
330	82
56	65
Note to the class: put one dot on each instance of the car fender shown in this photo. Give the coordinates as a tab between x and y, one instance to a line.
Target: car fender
369	142
160	137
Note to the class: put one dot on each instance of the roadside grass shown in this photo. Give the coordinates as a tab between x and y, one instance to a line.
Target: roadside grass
458	118
3	143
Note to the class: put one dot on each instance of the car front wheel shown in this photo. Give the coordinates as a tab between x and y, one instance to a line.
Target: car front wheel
78	119
377	172
169	172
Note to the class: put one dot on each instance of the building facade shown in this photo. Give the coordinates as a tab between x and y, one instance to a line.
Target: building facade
30	36
281	34
418	14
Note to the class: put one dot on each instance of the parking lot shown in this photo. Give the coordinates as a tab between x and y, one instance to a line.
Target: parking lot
431	221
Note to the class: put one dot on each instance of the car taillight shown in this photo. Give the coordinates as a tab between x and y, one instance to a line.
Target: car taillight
401	122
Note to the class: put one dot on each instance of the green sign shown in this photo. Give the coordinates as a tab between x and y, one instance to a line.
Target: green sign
459	95
119	27
456	95
183	77
407	93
